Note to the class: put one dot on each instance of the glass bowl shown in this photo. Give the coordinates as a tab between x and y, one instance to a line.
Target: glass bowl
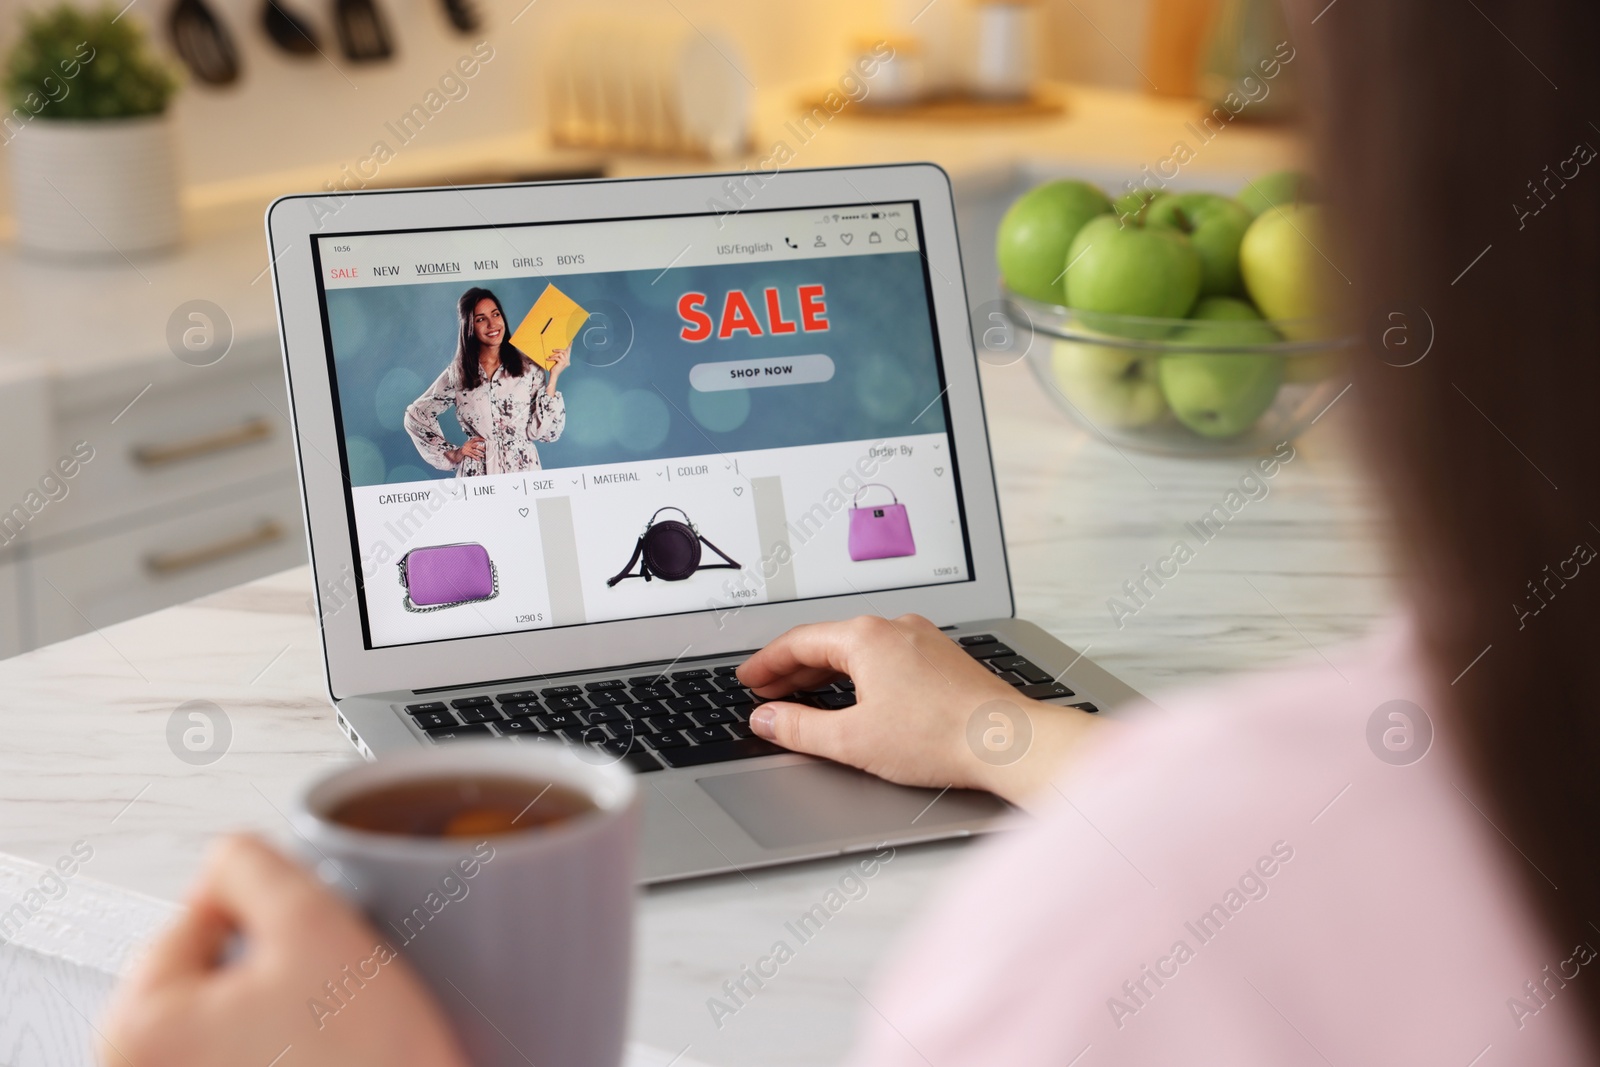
1177	386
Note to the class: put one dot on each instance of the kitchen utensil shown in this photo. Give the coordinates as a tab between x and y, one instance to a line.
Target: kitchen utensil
363	36
203	43
463	15
290	32
1175	35
651	85
1246	42
525	937
1003	69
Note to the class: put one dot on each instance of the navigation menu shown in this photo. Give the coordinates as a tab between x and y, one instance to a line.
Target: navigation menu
542	249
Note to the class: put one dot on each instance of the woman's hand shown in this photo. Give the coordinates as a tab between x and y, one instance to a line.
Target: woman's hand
917	692
182	1005
561	359
474	448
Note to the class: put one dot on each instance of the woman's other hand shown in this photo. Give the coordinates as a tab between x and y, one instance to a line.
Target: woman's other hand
473	449
561	359
916	693
183	1005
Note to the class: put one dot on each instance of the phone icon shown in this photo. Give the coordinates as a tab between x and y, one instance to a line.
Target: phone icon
790	243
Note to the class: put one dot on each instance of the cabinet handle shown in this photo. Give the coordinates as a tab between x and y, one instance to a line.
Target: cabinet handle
246	433
267	532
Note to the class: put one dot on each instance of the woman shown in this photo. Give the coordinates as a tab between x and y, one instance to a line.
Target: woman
1251	878
503	400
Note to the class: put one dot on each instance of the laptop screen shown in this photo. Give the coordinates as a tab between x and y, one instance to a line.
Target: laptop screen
556	424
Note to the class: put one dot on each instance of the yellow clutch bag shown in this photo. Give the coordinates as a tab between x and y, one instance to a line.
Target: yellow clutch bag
552	323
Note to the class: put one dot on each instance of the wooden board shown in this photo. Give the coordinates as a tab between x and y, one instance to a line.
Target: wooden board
1046	102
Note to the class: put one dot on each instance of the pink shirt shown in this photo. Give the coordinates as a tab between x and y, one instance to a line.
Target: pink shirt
1241	881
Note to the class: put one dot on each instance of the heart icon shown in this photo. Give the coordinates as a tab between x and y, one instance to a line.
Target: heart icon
738	490
847	237
938	472
523	512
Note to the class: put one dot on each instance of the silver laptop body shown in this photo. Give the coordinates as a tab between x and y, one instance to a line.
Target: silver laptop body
770	415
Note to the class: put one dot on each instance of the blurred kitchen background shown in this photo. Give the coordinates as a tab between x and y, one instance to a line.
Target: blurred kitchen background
191	487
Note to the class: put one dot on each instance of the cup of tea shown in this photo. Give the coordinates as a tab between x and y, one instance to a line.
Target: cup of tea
504	874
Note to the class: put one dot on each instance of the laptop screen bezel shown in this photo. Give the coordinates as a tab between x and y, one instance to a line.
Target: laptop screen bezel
293	223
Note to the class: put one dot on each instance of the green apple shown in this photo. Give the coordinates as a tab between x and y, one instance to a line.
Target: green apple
1131	203
1283	188
1132	269
1285	271
1221	394
1111	386
1038	229
1215	226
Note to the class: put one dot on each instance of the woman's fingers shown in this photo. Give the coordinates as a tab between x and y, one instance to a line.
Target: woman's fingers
803	729
257	887
829	646
805	678
188	948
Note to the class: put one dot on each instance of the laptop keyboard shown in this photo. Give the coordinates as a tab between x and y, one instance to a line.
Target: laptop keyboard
685	718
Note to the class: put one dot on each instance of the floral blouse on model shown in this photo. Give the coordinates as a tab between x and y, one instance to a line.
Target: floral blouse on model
509	413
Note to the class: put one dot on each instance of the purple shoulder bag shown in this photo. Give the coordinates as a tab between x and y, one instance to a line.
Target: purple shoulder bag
443	576
880	531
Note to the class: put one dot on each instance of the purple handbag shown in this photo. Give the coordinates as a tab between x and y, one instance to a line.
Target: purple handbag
670	550
879	532
443	576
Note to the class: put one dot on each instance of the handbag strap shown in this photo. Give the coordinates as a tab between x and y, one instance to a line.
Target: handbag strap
856	500
638	550
644	566
729	565
686	520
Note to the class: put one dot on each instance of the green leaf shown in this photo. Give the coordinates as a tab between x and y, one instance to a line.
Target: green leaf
72	64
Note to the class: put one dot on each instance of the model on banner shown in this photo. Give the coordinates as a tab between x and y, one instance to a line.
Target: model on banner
504	400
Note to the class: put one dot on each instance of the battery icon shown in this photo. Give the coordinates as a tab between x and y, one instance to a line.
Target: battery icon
876	215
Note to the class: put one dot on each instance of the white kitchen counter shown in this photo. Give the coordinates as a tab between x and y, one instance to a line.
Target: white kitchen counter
85	752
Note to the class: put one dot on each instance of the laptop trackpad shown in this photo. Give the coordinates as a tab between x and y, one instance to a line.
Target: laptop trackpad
810	803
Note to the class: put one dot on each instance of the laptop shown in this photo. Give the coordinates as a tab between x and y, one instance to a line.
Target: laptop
571	451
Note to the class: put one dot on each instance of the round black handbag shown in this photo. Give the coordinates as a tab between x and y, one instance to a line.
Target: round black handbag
670	550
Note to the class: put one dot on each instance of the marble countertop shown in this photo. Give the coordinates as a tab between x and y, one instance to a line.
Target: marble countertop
85	754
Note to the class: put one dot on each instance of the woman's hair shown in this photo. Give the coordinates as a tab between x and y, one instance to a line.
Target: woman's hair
1458	152
512	361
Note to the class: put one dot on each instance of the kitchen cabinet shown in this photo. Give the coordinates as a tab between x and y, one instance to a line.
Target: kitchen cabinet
154	482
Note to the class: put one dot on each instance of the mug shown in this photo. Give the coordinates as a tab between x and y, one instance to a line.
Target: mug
524	938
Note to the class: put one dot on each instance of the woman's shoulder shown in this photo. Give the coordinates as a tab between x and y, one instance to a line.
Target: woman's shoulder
1280	817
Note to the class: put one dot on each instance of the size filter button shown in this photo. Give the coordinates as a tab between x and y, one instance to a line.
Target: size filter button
760	373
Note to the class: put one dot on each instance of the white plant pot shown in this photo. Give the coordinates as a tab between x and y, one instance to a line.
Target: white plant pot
102	188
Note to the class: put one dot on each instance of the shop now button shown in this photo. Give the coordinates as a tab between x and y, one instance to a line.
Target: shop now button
759	373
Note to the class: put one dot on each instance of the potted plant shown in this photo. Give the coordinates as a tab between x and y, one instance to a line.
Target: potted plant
90	143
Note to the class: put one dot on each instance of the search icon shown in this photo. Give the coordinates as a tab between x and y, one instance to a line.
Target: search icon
901	235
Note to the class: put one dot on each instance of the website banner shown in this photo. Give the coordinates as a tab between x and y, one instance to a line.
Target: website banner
690	427
681	362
